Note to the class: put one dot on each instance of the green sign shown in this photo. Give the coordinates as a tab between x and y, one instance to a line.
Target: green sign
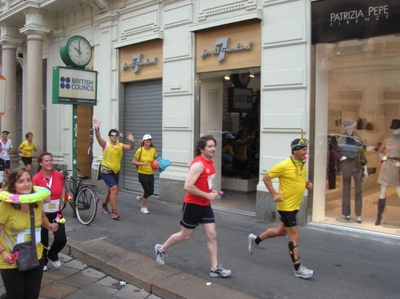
74	86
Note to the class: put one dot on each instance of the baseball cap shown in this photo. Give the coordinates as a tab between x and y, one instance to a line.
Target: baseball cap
299	143
5	132
146	136
229	136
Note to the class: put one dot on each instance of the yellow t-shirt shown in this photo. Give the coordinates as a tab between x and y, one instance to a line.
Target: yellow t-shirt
17	226
143	155
28	149
240	152
292	183
112	156
228	149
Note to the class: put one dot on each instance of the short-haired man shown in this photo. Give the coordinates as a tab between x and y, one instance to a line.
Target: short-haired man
196	206
292	175
111	164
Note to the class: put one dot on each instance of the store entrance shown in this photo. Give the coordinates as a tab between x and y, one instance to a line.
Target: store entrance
230	111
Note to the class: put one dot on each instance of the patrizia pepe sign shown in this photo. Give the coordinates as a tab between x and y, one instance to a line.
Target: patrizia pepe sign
137	63
221	49
335	20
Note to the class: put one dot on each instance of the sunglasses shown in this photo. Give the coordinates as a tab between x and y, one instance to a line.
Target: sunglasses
114	135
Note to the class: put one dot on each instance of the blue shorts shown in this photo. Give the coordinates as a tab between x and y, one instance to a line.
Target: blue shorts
194	214
288	218
110	179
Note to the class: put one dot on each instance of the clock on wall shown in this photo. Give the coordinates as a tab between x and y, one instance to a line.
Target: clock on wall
241	79
76	51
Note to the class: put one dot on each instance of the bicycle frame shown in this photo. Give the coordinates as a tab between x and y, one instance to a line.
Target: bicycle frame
84	199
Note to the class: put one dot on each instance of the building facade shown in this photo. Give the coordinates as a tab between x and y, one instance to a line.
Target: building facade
267	70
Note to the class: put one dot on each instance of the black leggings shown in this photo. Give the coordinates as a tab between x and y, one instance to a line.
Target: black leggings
60	239
147	182
22	284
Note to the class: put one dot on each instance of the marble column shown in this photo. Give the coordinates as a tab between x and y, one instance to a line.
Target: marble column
9	41
9	119
34	85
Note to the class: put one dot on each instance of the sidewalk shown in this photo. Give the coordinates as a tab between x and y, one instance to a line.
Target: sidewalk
346	264
76	280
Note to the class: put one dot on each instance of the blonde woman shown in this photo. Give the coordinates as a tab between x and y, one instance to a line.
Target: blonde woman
143	158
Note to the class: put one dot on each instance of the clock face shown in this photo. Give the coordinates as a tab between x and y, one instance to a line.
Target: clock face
76	51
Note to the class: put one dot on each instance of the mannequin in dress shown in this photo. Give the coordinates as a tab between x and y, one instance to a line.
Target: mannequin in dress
353	165
389	153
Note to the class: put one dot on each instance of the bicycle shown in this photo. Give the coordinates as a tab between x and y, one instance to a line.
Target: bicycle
84	200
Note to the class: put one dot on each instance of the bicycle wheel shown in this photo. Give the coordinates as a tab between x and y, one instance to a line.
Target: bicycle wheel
85	205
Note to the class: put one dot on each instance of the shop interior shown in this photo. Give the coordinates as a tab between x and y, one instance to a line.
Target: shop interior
230	111
358	91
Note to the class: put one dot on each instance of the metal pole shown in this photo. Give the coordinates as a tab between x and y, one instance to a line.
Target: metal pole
74	147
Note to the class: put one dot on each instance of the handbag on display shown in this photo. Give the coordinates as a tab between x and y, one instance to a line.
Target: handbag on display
27	256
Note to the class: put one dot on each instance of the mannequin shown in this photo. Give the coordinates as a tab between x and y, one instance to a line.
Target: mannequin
389	153
354	164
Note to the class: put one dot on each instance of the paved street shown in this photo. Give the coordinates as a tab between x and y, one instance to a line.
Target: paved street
346	264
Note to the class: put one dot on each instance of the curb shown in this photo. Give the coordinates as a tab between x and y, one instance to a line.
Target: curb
145	273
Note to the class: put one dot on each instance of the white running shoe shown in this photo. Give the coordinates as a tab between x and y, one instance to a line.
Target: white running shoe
220	272
160	255
56	263
144	211
252	243
303	272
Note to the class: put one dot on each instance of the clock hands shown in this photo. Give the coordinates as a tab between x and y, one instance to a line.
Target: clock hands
78	51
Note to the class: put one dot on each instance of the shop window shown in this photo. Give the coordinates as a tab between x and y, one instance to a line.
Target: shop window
358	108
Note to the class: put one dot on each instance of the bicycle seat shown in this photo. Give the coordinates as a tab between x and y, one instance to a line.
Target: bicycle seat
83	177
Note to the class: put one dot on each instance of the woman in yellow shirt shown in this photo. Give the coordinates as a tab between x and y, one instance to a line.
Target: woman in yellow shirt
15	223
143	158
26	149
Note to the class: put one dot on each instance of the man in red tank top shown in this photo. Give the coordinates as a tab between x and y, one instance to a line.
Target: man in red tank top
196	206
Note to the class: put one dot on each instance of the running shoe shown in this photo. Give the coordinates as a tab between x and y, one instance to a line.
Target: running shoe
115	215
303	272
105	208
44	268
139	199
144	210
56	263
252	243
220	272
160	255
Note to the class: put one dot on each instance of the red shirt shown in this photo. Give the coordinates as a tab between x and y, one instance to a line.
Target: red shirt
205	182
55	184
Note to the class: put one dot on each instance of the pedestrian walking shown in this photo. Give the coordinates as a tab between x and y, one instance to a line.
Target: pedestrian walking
53	180
143	159
6	147
292	175
111	165
196	206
